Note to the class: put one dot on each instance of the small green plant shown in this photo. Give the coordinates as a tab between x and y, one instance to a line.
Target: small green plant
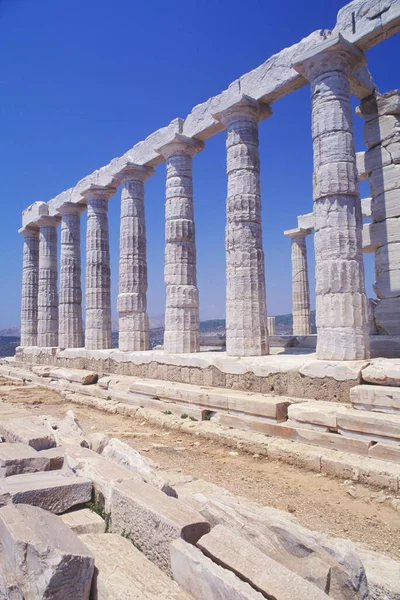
193	418
207	415
184	416
125	534
167	412
137	546
107	518
108	398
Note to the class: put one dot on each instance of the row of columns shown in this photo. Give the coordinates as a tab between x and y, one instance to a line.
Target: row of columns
341	299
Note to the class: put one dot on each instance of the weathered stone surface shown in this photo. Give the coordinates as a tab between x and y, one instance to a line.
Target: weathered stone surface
271	325
47	286
84	520
21	458
55	456
300	285
385	452
382	130
34	431
153	520
56	491
320	415
376	426
377	398
46	558
41	370
81	376
386	316
383	574
124	572
68	431
203	579
229	549
130	458
382	371
30	282
97	441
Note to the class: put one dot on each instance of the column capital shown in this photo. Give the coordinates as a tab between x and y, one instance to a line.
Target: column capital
135	172
333	54
49	221
98	192
180	144
244	106
71	208
29	231
298	232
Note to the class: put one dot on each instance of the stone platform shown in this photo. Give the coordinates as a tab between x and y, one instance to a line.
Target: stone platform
288	372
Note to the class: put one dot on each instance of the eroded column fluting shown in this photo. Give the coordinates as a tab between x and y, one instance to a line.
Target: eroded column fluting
341	302
300	285
70	295
30	280
246	312
48	291
98	275
182	303
132	301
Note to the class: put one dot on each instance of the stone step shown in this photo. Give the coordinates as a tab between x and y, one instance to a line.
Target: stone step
125	572
55	491
34	431
385	452
83	520
377	398
16	459
382	371
379	427
81	376
317	415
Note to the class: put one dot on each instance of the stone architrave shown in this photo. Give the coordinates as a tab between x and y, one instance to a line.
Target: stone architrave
132	301
300	285
30	281
341	302
246	311
70	296
48	291
98	275
182	306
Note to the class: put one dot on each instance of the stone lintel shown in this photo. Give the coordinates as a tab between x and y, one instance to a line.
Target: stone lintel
47	221
71	208
136	172
29	231
327	55
97	192
33	212
298	232
243	106
180	144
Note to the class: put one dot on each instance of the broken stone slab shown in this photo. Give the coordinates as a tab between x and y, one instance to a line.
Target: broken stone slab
68	431
41	370
229	549
97	441
376	426
205	580
383	574
385	452
84	520
9	588
20	458
130	458
55	456
55	491
377	398
152	520
321	415
34	431
81	376
382	371
47	559
122	571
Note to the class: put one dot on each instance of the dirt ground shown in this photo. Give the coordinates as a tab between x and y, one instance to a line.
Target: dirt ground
336	507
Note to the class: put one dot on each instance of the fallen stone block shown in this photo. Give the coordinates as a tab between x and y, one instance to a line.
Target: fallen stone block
385	452
47	559
152	520
205	580
130	458
55	491
97	441
122	571
34	431
230	550
378	398
382	371
41	370
20	458
319	415
383	574
56	457
9	588
375	426
84	520
68	431
76	375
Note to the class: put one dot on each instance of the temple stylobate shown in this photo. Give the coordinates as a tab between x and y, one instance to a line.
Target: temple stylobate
333	64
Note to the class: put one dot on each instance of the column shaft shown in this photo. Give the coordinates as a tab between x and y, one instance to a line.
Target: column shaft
300	288
98	275
132	301
30	280
70	296
48	292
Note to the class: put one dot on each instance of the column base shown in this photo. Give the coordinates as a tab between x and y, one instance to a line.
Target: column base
345	343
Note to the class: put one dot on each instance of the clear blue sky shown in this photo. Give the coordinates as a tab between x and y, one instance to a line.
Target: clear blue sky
84	80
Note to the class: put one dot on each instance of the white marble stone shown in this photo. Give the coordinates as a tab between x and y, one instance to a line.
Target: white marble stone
180	275
132	301
246	311
341	303
98	275
271	325
48	290
300	285
30	281
70	333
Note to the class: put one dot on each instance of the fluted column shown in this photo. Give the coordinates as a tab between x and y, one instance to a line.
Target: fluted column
98	275
246	312
30	279
132	301
341	302
48	292
271	325
70	296
300	285
182	305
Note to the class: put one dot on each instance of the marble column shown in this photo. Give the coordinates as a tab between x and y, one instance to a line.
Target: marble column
180	275
98	275
300	285
341	302
48	292
132	301
30	279
246	312
271	325
70	296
